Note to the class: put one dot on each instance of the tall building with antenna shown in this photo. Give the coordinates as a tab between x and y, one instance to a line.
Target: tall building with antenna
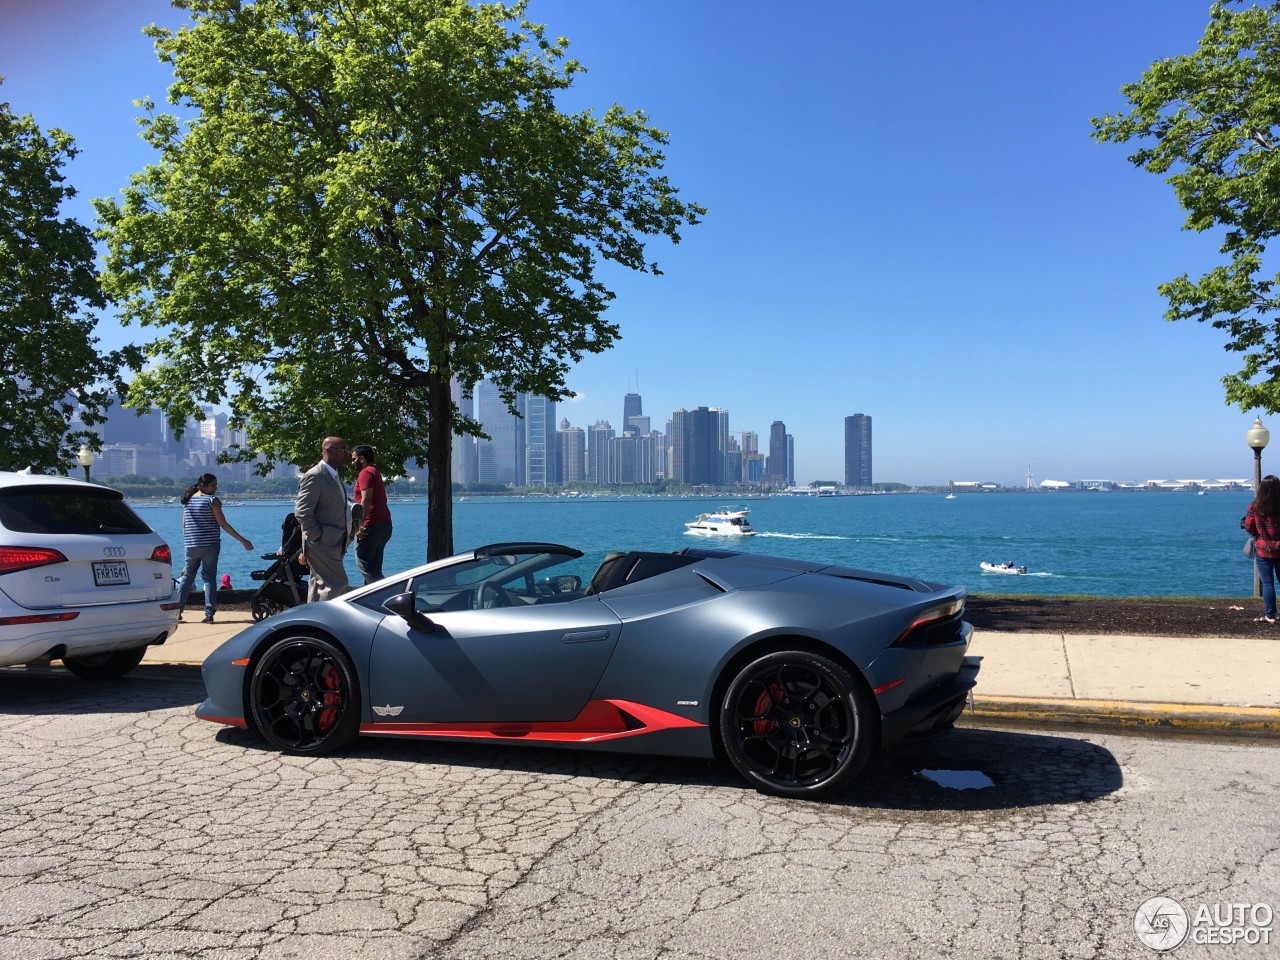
631	408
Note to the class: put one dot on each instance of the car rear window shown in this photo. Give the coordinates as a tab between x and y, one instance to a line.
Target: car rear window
55	510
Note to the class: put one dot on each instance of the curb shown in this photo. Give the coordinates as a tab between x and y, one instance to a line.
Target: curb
1170	717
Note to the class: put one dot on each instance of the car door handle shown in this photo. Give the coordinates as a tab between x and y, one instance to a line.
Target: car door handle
585	636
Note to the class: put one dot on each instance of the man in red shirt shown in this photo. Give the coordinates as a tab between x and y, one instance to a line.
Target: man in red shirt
375	529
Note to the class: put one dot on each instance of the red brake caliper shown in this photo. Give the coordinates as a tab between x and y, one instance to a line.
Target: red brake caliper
332	681
771	694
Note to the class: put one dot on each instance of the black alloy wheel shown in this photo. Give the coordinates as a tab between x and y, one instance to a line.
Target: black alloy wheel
797	724
303	696
105	666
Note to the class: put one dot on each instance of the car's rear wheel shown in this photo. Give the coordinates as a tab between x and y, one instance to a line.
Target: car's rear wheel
105	666
303	696
797	724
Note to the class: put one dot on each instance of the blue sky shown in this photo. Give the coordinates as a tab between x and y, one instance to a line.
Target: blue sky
907	218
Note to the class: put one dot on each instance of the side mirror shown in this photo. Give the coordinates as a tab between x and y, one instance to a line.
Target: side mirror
404	607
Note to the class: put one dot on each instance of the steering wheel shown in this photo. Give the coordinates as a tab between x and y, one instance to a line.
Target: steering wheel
491	595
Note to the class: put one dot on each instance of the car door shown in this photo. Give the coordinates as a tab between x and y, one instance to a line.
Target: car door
522	663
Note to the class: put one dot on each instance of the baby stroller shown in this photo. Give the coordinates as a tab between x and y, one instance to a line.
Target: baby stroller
285	583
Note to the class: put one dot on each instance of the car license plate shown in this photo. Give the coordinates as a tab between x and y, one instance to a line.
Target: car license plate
110	574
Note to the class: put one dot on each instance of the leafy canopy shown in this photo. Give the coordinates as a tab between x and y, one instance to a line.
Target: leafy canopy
50	369
366	200
1211	121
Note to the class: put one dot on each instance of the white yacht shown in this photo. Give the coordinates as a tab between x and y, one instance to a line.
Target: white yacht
723	523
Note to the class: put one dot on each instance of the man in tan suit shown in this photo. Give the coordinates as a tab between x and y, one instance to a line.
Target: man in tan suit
321	511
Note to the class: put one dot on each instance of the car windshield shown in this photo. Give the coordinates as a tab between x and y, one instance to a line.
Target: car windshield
57	509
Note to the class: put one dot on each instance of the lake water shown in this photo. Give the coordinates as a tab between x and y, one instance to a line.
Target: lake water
1104	544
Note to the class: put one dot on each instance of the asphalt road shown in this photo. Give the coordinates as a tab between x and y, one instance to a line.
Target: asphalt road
131	829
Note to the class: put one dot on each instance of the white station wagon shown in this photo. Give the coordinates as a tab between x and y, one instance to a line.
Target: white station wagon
83	579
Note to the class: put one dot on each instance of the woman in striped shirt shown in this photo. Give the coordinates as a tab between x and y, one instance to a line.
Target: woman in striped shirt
201	518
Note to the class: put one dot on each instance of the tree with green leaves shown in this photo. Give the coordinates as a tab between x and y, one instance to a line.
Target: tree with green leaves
52	369
1210	120
366	200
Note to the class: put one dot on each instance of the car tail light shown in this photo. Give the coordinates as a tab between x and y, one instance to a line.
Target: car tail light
171	606
162	554
13	559
918	633
38	618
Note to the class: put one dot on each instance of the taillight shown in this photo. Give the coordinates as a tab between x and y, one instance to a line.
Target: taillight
38	618
162	554
13	559
930	615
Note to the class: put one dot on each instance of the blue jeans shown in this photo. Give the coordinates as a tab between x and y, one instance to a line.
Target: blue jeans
369	551
1267	571
198	558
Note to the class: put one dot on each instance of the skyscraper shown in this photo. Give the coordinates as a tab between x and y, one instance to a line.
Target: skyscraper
751	462
857	451
539	441
653	457
498	462
624	455
698	447
677	432
776	466
572	444
128	425
632	408
465	468
598	437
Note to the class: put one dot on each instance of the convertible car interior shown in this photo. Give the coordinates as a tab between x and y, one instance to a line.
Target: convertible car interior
618	569
522	577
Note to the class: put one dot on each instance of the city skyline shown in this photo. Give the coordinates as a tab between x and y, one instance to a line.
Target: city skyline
973	268
141	444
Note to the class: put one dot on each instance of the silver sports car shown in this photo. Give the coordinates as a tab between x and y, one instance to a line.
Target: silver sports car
792	670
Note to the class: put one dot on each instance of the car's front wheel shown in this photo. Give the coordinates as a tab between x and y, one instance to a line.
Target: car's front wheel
303	696
797	724
105	666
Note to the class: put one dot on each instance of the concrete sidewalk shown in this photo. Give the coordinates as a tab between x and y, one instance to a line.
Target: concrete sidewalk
1206	684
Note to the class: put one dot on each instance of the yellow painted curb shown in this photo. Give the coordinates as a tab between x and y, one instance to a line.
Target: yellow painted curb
1260	721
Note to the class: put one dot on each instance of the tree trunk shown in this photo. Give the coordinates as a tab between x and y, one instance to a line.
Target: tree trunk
439	469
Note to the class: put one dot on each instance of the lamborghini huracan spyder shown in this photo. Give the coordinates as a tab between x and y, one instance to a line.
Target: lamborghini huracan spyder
794	671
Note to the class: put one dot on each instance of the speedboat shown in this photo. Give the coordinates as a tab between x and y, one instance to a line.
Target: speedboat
1009	567
723	523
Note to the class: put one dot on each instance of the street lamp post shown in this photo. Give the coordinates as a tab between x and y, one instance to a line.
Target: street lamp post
85	459
1257	438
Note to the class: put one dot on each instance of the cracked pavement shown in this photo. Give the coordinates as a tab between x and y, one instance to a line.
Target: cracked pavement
131	829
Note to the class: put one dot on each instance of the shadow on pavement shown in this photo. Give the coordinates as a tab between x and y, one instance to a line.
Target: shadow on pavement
1025	769
1015	768
49	690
